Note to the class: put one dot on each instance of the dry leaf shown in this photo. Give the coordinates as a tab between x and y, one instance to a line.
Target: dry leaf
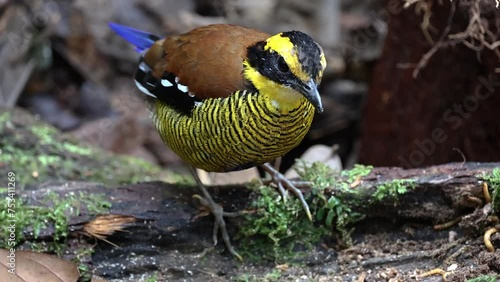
32	266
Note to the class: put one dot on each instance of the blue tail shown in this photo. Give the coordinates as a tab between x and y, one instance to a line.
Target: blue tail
140	39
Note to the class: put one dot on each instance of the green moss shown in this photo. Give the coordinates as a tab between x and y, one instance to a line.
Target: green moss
4	118
335	210
82	259
152	278
485	278
13	213
391	190
37	152
493	181
358	171
76	149
336	203
85	272
41	246
45	134
279	230
54	213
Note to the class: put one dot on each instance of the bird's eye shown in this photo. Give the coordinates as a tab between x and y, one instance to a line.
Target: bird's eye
282	66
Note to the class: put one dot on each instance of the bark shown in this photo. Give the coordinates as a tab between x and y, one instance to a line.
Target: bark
449	108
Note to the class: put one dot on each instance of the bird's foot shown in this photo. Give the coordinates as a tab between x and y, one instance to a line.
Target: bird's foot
284	184
219	214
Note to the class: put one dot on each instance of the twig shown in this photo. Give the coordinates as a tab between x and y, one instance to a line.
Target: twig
425	59
476	31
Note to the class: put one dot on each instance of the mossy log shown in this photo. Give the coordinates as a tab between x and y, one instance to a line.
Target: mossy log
166	213
161	224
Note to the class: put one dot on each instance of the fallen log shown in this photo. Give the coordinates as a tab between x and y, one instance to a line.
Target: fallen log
159	222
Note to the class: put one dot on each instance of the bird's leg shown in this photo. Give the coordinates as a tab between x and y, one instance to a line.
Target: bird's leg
218	213
283	183
281	189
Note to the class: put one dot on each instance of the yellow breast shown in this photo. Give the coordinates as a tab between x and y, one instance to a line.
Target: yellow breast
241	131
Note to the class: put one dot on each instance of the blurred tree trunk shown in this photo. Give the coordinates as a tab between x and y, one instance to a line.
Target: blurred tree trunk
450	107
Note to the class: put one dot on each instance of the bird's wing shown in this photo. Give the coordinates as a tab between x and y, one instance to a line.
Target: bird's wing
206	62
209	59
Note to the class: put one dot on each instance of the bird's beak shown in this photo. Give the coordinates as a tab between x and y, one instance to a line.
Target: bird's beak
310	91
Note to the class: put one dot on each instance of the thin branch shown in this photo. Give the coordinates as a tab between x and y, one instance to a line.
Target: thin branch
425	59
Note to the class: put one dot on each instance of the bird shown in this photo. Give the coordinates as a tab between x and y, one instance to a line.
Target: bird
226	97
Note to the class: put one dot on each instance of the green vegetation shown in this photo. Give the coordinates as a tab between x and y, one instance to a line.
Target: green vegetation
357	172
152	278
485	278
37	152
33	152
493	181
81	259
391	190
335	210
279	231
54	214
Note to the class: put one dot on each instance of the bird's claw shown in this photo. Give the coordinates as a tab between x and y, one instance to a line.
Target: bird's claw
284	184
219	223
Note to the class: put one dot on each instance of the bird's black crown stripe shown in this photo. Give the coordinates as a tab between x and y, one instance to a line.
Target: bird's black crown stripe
167	90
308	50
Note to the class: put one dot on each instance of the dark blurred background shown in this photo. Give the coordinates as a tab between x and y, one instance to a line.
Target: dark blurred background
408	83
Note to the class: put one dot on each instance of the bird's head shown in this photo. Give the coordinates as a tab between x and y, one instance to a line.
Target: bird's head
286	65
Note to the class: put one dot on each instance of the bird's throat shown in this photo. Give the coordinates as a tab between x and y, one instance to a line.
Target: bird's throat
283	99
275	95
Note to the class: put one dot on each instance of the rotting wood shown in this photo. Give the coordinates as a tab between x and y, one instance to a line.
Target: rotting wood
168	236
441	194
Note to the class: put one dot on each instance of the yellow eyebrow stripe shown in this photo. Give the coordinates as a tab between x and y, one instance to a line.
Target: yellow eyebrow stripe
283	46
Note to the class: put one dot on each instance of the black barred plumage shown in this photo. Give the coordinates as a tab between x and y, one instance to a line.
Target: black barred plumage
232	133
222	134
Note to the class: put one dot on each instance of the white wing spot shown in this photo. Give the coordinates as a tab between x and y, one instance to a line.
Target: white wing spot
191	94
166	83
182	88
143	89
197	104
176	79
144	67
